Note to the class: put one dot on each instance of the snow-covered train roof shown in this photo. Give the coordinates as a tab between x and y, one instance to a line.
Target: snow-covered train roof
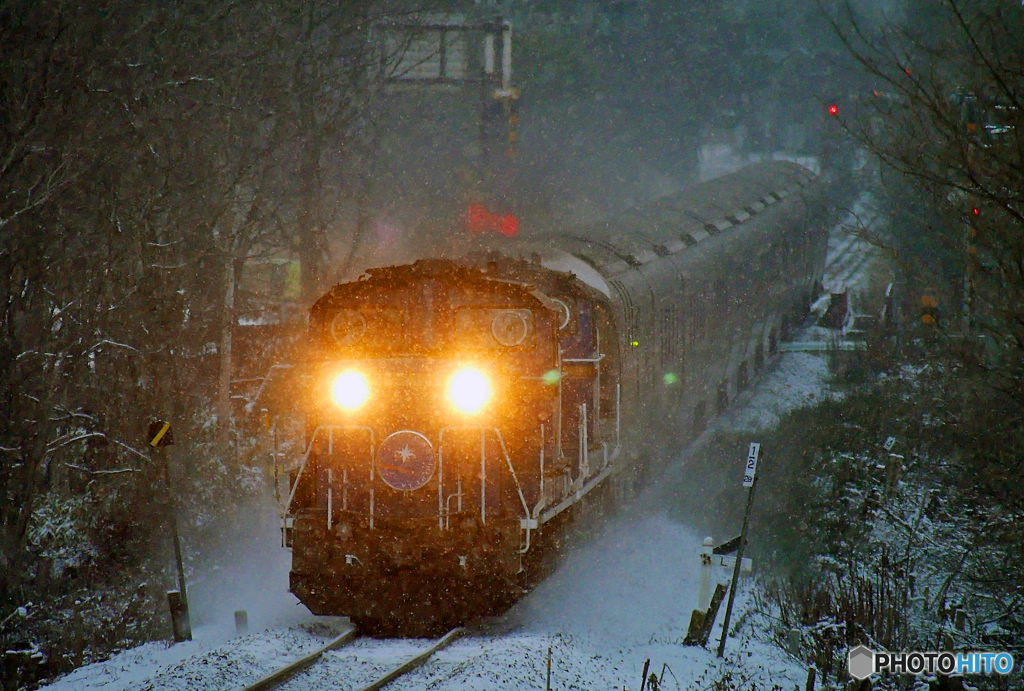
677	221
668	225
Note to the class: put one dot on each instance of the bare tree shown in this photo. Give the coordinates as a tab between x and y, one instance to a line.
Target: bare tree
146	153
947	115
946	120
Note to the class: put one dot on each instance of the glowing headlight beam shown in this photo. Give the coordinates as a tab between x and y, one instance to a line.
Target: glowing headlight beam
469	390
350	390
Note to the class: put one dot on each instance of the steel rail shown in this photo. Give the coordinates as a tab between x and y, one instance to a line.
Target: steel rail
417	661
285	673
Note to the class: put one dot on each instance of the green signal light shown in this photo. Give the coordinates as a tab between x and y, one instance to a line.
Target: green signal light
551	377
670	378
635	344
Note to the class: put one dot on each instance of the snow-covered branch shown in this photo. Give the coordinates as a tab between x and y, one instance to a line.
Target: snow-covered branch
116	471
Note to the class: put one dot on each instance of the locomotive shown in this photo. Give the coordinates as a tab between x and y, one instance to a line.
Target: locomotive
465	414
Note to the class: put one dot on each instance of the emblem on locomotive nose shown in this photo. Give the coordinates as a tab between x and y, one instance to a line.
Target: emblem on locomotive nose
405	460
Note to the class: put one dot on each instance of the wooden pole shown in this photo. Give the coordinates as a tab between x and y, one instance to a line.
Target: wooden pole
171	510
547	684
736	568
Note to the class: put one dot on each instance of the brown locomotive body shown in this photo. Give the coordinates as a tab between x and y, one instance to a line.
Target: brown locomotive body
465	413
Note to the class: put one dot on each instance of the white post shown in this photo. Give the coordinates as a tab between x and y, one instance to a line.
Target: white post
704	591
506	58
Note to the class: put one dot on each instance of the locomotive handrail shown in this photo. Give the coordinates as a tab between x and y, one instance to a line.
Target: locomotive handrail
515	478
448	503
581	492
585	359
504	450
309	451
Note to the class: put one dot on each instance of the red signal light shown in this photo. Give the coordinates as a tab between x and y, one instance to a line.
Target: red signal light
509	226
833	109
479	219
976	211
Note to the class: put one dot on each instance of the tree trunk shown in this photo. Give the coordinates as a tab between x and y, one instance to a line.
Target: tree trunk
224	393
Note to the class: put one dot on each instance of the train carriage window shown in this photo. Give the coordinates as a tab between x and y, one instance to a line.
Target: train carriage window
698	317
486	327
763	263
699	421
579	342
722	397
722	296
368	326
671	334
667	322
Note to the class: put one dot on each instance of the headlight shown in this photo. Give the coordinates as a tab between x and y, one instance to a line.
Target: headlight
350	390
469	390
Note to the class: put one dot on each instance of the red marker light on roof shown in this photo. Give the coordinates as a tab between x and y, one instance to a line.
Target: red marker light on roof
833	109
478	218
509	226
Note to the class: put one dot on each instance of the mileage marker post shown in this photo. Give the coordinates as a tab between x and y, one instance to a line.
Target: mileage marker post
750	482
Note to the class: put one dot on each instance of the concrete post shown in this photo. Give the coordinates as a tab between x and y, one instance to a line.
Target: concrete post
704	590
241	622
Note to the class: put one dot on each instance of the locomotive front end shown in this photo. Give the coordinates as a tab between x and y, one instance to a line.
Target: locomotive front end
431	393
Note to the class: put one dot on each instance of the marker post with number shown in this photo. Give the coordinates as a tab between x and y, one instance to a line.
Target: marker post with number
750	482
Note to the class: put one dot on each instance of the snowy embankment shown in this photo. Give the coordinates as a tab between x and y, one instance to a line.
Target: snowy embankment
620	599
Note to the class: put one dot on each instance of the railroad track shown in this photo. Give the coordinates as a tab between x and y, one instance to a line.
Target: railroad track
299	667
